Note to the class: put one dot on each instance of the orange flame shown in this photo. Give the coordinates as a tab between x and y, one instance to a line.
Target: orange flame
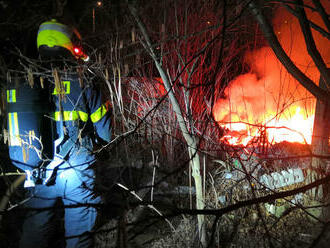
268	100
297	128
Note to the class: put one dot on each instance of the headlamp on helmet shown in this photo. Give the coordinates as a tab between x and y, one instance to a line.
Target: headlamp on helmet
56	39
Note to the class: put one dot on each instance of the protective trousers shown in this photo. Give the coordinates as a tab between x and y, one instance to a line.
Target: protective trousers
74	187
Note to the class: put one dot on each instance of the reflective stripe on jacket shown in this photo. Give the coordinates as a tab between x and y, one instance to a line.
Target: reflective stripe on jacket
82	112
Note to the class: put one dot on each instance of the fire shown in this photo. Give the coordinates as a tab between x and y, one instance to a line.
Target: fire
258	108
268	103
297	127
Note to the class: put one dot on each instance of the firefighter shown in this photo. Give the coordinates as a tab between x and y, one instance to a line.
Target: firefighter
81	120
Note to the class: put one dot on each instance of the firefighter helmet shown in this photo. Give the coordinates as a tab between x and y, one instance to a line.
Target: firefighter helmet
55	40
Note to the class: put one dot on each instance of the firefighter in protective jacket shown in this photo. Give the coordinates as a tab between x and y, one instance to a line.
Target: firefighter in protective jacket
81	118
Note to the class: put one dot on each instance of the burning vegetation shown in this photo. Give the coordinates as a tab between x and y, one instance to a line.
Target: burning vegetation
268	100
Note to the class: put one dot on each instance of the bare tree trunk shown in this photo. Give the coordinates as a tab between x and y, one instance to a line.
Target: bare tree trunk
321	130
320	145
189	138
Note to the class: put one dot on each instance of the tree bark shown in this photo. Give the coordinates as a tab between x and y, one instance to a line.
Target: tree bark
321	129
320	146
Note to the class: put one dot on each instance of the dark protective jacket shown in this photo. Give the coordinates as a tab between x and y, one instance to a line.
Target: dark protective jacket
30	139
81	119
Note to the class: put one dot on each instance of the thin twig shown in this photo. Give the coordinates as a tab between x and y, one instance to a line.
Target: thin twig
149	205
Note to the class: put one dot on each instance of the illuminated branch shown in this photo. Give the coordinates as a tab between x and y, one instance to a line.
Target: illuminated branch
5	199
313	25
323	13
259	200
310	43
283	57
12	174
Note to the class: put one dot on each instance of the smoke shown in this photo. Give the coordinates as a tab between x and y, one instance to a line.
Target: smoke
269	91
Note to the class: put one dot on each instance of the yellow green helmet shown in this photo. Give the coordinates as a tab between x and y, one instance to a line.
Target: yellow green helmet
53	35
55	39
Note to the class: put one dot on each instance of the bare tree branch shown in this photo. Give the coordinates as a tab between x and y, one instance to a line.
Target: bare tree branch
263	199
283	57
310	43
323	13
312	24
